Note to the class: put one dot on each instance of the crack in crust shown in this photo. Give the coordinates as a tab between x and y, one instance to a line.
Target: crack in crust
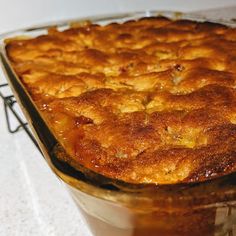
146	101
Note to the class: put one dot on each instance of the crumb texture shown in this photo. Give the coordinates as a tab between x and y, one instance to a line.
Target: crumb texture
145	101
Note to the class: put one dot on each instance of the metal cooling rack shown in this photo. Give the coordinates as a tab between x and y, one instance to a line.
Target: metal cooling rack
10	110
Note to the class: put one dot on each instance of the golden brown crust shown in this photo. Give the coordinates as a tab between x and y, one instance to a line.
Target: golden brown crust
146	101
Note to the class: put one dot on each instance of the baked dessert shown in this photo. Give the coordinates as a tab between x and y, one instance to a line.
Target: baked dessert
145	101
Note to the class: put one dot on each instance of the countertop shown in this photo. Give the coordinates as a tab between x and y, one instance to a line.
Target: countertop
33	201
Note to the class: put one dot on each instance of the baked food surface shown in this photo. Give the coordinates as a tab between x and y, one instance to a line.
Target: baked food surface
146	101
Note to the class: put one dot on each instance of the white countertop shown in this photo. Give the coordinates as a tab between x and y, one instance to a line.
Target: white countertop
32	200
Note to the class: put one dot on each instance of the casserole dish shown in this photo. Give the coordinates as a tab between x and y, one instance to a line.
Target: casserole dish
114	207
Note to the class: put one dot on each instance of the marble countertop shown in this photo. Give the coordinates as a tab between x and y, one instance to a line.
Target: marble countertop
33	201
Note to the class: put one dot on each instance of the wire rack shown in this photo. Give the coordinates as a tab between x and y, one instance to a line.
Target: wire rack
11	109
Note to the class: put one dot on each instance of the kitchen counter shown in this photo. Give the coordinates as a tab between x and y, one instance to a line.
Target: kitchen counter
33	201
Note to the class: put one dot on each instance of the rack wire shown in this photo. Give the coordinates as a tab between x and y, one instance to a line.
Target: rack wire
10	103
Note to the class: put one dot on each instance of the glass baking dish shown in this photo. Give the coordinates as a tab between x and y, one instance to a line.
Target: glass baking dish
115	208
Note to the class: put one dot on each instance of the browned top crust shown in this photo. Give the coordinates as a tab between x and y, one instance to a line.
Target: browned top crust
146	101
